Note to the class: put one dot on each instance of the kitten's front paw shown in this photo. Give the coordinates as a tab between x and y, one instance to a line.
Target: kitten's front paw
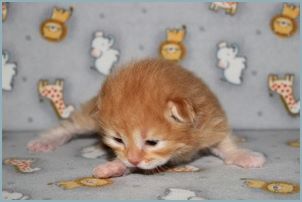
246	159
41	145
111	169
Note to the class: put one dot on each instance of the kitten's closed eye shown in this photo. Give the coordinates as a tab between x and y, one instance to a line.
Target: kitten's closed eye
151	142
118	140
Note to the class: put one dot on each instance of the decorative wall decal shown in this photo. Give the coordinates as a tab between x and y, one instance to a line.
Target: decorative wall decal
285	24
294	143
229	7
232	64
54	92
180	194
83	182
22	165
105	56
9	70
173	48
12	195
4	11
284	87
93	152
275	187
54	28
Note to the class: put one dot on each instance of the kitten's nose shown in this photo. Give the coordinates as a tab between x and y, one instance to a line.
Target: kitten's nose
134	161
134	157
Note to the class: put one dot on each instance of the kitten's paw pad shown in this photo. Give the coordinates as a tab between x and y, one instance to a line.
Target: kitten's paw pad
246	159
111	169
40	145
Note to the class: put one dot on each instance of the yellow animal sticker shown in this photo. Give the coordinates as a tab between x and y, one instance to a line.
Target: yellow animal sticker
294	143
274	187
4	11
54	28
83	182
284	24
173	49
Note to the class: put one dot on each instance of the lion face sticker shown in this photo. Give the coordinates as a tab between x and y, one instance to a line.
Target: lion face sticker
54	29
173	49
284	24
274	187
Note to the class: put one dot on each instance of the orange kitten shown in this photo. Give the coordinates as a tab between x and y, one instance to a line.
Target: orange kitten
152	112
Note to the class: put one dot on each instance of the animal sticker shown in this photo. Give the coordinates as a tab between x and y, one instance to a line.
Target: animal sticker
294	143
180	194
105	56
12	195
285	24
93	152
54	92
284	87
83	182
274	187
4	11
173	48
232	64
54	28
184	169
22	165
229	7
9	70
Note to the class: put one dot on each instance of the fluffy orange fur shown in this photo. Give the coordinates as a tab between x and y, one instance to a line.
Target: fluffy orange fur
152	112
139	97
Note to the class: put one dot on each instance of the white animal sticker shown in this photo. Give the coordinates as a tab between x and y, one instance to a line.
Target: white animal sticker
105	56
7	195
180	194
92	152
9	70
229	7
232	64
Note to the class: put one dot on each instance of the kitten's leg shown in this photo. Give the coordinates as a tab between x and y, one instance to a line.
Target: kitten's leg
113	168
233	155
80	123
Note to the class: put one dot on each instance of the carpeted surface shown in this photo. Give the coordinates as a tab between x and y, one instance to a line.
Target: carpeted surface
214	181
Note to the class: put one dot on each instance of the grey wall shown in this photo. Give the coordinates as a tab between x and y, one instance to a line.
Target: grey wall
138	29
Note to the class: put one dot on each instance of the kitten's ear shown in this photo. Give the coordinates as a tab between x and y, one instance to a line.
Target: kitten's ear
181	111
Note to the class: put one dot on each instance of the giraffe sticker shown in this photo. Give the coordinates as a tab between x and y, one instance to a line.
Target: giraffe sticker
284	87
54	92
22	165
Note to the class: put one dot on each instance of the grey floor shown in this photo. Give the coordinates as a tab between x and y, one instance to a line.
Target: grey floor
215	181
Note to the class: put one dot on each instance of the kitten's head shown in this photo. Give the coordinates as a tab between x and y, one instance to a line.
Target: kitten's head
145	129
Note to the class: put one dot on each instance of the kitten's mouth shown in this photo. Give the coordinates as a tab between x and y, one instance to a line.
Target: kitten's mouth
152	171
